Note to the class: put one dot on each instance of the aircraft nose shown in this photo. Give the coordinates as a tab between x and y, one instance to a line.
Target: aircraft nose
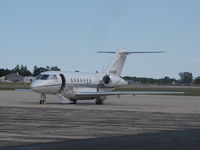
34	86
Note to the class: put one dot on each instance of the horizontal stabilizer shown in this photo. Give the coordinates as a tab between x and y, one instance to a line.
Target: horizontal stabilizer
119	58
128	53
111	52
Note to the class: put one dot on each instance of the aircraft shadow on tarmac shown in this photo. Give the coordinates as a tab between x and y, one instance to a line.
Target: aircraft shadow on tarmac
166	140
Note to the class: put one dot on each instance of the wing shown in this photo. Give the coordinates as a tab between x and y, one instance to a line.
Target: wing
97	94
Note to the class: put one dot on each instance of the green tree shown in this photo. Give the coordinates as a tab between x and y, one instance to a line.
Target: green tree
186	77
16	69
55	68
34	68
48	68
167	80
22	70
197	80
4	72
37	71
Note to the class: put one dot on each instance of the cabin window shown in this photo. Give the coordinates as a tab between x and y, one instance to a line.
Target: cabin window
78	80
90	81
81	80
74	80
71	80
84	80
55	77
87	80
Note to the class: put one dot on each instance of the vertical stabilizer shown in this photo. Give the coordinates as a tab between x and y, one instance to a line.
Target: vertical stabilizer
117	63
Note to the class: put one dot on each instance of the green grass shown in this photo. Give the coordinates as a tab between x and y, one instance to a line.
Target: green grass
188	90
13	86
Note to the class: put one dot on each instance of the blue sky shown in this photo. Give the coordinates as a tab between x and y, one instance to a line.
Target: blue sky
68	34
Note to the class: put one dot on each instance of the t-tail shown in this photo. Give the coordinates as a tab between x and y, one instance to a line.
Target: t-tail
117	63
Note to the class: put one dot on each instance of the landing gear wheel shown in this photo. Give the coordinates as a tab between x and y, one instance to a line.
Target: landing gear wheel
40	101
44	102
74	101
43	99
99	101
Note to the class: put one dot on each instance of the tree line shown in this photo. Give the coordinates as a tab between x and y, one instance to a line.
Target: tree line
24	71
186	78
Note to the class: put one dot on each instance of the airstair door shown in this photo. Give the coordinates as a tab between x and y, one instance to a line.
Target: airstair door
63	81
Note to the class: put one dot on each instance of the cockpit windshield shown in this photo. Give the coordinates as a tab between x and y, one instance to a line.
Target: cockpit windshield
52	77
38	77
46	77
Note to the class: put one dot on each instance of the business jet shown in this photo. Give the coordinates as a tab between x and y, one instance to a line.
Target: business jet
73	86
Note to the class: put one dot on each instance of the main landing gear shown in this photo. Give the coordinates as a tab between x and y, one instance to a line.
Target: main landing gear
99	101
43	99
74	101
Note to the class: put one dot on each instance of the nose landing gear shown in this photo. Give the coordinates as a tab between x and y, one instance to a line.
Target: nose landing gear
43	99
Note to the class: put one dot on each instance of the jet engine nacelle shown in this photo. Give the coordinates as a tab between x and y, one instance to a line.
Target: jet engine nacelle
107	80
112	80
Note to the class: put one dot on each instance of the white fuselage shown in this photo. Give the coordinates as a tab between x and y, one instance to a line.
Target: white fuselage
52	82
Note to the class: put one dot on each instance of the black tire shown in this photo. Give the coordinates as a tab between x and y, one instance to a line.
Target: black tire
43	102
74	101
40	102
99	101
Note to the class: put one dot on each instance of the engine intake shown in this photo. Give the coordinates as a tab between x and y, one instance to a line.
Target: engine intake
107	80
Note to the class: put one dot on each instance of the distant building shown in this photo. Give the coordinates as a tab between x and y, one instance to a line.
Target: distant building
29	79
2	79
133	82
16	77
13	77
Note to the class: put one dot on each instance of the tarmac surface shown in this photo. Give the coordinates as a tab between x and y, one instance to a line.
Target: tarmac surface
131	122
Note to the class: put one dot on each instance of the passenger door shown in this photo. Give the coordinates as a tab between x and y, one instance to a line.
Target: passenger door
63	81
